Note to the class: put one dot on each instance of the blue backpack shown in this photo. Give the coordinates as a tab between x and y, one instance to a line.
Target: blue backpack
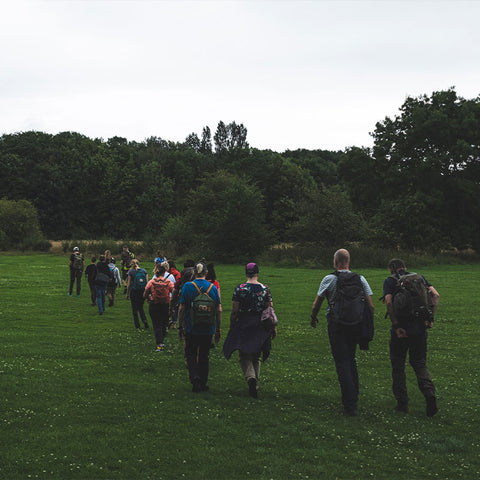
140	279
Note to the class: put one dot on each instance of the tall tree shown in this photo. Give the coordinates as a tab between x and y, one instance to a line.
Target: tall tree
430	153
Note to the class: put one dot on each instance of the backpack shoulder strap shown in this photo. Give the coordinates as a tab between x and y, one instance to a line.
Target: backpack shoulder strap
196	286
209	288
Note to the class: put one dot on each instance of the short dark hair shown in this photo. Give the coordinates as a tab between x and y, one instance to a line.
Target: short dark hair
396	264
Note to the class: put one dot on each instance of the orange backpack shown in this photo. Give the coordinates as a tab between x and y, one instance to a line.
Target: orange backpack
160	290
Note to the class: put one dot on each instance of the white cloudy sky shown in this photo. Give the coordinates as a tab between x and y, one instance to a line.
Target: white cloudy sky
297	74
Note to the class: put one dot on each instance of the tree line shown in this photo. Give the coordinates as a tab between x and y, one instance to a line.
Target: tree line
417	188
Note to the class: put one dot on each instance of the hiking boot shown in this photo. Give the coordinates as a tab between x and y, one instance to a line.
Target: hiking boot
252	387
431	406
205	388
402	407
160	348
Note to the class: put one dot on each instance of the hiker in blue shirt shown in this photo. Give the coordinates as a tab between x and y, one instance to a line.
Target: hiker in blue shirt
137	281
199	332
343	338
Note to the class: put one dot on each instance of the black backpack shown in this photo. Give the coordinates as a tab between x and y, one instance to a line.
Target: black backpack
349	301
351	310
412	300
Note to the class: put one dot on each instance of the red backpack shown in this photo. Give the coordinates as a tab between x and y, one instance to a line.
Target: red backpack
160	290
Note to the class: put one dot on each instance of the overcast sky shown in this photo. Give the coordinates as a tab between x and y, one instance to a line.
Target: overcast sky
298	74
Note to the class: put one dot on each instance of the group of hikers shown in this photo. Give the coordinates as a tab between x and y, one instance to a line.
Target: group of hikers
190	301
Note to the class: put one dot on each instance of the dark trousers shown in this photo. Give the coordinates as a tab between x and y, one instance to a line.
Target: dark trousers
111	294
159	315
75	275
416	346
343	343
197	350
137	300
93	293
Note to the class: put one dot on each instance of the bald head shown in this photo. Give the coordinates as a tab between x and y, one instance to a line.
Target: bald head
341	259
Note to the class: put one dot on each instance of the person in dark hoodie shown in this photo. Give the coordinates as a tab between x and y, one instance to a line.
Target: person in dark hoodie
102	278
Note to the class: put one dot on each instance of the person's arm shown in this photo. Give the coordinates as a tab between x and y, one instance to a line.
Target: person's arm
234	314
399	331
129	284
435	298
218	330
370	303
315	309
181	320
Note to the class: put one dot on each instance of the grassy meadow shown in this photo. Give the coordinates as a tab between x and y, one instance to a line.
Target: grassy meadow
86	397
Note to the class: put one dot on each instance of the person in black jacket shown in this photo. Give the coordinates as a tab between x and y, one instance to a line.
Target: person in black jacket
101	281
409	335
90	273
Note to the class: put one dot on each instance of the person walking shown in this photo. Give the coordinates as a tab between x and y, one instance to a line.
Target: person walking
344	333
126	263
114	282
409	332
137	281
187	275
102	277
157	292
90	273
247	334
76	264
199	317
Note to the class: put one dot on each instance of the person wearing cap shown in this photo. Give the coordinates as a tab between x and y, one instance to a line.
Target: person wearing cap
247	334
76	264
198	338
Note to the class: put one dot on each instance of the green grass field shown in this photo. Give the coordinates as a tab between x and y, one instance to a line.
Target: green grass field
85	397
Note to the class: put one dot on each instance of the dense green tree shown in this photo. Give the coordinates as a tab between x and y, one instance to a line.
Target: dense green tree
227	218
425	154
206	142
19	226
230	138
326	216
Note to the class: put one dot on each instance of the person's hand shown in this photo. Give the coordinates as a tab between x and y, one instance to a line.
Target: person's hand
274	332
401	333
218	333
428	324
313	321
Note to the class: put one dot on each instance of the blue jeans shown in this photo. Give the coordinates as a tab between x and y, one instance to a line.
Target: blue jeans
100	291
343	342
